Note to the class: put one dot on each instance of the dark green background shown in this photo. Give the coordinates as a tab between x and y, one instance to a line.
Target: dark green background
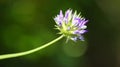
27	24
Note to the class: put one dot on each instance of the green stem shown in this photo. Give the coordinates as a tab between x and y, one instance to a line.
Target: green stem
5	56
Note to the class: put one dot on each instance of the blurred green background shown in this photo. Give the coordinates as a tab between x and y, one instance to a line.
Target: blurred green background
27	24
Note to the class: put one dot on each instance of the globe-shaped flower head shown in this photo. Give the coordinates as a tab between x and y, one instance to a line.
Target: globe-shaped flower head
71	25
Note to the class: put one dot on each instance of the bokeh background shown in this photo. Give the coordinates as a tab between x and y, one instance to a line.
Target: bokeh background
27	24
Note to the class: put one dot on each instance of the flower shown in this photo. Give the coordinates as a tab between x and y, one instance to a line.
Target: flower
71	25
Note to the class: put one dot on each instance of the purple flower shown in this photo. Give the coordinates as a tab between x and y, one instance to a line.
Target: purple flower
71	25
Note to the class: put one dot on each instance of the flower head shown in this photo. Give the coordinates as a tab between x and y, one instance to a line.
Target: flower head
71	25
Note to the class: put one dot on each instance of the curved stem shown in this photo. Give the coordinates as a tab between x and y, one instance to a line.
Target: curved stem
5	56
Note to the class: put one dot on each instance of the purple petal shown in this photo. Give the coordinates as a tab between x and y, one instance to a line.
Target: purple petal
81	38
58	20
76	32
74	38
67	13
61	14
83	27
83	22
79	32
82	31
65	20
75	21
